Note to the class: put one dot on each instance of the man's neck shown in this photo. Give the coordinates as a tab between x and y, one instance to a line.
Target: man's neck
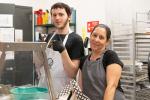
64	30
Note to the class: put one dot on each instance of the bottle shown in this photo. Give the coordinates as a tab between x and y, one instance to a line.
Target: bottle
46	16
39	17
49	17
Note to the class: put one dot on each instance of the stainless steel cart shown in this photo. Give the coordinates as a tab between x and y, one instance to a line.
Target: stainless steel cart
29	46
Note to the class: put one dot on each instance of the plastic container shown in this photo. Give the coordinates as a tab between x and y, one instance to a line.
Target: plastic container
30	93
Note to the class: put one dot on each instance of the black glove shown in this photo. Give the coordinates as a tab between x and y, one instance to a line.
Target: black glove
58	46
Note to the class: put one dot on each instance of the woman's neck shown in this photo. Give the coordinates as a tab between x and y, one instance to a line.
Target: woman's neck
95	55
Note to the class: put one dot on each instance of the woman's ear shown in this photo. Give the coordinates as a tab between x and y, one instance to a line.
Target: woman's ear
108	43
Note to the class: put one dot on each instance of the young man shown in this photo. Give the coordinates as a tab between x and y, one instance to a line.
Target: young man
66	49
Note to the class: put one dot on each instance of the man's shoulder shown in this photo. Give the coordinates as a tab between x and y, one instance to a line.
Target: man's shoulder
48	37
75	35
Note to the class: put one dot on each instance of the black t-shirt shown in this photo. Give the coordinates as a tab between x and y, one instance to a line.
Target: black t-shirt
74	44
109	57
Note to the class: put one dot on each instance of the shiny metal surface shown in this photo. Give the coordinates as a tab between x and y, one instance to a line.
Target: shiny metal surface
31	46
4	93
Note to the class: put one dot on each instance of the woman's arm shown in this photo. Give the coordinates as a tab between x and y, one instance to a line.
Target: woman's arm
113	74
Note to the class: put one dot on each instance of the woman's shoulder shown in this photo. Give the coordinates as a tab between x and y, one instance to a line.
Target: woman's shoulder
111	57
110	53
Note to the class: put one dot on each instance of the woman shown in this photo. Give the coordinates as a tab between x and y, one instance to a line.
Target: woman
101	70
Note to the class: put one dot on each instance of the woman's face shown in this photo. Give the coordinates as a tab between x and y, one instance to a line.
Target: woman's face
98	39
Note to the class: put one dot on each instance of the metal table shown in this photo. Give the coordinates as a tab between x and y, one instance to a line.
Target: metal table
29	46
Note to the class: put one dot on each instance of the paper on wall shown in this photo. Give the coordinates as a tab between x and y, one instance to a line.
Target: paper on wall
6	20
7	35
18	35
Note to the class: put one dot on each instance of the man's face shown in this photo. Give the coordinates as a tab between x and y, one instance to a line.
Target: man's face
59	17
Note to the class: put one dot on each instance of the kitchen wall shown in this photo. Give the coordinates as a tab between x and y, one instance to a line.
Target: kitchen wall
105	11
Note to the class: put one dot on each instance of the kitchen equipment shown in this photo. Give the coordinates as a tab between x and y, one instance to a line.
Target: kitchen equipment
30	93
32	46
4	93
149	66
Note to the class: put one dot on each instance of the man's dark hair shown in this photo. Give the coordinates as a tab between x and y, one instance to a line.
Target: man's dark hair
63	6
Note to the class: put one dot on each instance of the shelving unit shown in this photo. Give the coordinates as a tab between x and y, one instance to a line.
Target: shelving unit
19	28
142	49
132	43
142	22
123	45
142	41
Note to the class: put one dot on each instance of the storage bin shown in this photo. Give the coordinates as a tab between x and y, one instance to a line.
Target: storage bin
30	93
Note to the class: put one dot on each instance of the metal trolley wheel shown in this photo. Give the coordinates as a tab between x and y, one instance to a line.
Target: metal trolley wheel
149	66
143	94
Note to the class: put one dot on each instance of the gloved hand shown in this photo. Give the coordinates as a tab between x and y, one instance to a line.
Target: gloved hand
58	46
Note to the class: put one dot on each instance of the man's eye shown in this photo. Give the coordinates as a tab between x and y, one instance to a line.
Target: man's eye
94	35
61	14
54	15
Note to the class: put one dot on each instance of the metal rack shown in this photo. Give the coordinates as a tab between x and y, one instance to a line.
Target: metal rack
142	46
123	45
30	46
142	22
132	43
142	49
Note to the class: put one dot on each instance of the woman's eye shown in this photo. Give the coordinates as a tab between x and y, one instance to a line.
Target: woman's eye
94	35
101	37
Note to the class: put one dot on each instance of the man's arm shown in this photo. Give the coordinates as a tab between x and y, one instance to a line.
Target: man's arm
70	66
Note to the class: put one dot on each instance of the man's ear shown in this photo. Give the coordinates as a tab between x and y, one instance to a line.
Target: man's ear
69	18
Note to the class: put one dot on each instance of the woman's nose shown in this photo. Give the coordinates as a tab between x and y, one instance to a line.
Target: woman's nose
97	38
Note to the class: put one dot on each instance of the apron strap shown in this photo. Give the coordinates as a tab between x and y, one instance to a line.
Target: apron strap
65	39
50	39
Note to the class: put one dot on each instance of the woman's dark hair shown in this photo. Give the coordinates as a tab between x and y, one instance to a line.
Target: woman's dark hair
63	6
108	31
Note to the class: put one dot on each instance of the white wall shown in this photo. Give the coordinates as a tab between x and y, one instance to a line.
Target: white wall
6	1
124	11
86	10
106	11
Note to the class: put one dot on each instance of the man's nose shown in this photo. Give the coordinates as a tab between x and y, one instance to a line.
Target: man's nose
57	17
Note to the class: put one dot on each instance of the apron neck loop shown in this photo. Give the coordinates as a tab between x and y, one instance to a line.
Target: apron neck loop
65	39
